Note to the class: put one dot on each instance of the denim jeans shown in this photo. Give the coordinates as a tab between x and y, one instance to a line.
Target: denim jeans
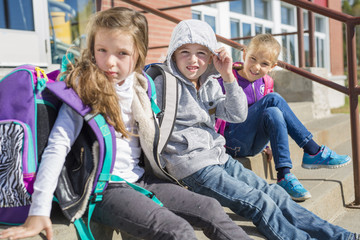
272	119
268	206
125	209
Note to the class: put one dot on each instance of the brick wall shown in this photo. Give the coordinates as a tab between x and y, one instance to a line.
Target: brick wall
159	28
336	41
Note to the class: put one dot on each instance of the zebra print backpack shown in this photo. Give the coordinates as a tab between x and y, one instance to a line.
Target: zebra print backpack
27	114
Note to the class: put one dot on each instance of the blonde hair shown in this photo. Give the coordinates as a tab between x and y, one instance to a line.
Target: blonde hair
263	42
267	42
89	81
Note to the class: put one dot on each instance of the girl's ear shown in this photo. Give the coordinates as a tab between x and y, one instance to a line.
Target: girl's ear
244	55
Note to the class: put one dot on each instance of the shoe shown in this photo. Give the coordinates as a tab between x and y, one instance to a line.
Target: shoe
325	158
294	188
356	236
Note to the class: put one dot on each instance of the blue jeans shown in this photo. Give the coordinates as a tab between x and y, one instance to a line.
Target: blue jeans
269	207
272	119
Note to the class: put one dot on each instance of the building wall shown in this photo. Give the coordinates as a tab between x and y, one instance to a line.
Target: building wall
323	3
159	28
336	41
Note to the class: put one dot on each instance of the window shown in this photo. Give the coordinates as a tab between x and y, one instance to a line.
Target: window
258	29
24	33
287	15
307	50
241	6
246	32
320	40
235	28
68	20
209	5
320	24
17	15
320	53
235	33
211	21
196	15
288	44
268	30
262	9
306	20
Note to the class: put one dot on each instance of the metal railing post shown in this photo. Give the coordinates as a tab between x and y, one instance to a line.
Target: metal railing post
312	53
300	35
354	108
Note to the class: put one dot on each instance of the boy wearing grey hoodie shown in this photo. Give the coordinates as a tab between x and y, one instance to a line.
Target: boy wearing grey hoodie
195	153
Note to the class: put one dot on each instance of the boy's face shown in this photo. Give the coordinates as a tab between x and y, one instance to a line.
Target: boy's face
115	54
192	60
257	64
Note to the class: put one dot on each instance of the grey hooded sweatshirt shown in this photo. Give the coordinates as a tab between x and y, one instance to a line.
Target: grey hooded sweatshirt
194	144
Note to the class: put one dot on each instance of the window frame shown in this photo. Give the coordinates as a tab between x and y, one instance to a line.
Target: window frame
27	47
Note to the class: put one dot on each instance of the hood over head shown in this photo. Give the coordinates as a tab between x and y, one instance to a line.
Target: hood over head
194	32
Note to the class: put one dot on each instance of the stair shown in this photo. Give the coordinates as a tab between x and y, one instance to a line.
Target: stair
331	189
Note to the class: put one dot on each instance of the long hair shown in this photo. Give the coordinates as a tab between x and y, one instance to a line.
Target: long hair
90	82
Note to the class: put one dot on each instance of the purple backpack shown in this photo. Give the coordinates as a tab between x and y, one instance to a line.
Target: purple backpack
28	111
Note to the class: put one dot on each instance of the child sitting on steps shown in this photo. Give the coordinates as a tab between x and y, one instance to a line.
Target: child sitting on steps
271	118
195	153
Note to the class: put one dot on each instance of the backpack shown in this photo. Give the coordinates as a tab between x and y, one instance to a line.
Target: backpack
25	125
165	116
27	114
88	166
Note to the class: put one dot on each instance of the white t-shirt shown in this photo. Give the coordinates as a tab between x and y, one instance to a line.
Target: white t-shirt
64	133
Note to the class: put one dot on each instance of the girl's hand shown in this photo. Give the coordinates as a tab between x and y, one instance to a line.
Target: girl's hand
32	226
223	64
268	153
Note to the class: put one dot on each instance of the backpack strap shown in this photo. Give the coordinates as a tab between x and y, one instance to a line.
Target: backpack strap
220	126
152	93
104	177
166	117
269	84
68	96
167	114
105	174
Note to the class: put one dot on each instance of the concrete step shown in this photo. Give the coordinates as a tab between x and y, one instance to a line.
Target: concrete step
331	189
331	131
303	110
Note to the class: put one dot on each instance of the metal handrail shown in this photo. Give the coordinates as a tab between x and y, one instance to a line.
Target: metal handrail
353	90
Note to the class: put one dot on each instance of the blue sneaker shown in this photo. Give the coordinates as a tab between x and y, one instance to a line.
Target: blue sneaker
325	158
294	188
356	236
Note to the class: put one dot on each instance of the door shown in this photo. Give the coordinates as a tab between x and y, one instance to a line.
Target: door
24	33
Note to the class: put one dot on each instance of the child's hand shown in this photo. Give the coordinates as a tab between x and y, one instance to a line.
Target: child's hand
268	153
223	64
32	226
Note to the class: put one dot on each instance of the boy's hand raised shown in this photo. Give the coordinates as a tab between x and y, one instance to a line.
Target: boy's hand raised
32	226
223	64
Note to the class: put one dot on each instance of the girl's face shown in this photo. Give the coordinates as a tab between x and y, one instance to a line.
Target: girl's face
192	60
257	64
115	54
